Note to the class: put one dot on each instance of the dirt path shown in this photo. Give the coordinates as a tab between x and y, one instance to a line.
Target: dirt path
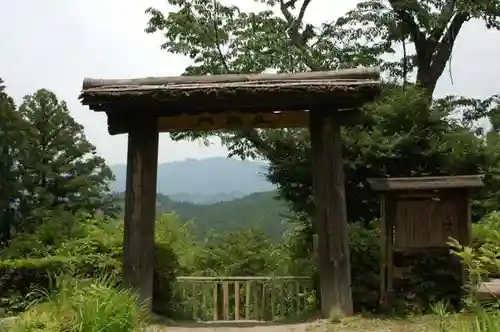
302	327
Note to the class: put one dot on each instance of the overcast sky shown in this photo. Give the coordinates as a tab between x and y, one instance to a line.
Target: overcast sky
54	44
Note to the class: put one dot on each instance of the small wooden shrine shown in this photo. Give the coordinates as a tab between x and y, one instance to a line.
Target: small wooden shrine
421	214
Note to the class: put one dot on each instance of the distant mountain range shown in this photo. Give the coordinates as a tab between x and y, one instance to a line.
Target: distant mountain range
204	181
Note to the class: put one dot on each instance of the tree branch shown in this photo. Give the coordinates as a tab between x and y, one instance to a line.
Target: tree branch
417	37
444	49
266	149
444	18
293	30
215	22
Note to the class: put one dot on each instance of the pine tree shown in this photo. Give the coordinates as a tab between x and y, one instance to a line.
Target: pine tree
60	166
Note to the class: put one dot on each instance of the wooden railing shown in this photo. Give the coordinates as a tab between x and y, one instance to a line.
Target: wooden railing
243	298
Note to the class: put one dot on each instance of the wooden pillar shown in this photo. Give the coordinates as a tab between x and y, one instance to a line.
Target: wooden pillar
140	204
387	223
383	252
464	233
330	219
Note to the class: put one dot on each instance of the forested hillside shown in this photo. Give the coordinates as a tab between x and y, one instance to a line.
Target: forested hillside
260	211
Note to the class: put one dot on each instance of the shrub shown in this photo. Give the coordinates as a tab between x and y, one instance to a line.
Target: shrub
83	306
81	247
65	234
482	260
365	265
165	272
22	279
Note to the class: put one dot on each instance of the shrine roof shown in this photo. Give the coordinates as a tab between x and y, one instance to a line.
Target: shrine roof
426	182
172	96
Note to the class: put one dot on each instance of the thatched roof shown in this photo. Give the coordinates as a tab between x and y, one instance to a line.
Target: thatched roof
172	96
426	182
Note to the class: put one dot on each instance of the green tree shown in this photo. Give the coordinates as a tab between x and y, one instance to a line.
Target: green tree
60	167
430	26
180	237
221	38
12	129
246	252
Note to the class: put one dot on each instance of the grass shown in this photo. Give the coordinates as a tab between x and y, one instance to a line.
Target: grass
377	324
482	321
83	306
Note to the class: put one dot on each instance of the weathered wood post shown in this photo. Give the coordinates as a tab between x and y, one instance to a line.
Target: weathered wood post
140	204
330	219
